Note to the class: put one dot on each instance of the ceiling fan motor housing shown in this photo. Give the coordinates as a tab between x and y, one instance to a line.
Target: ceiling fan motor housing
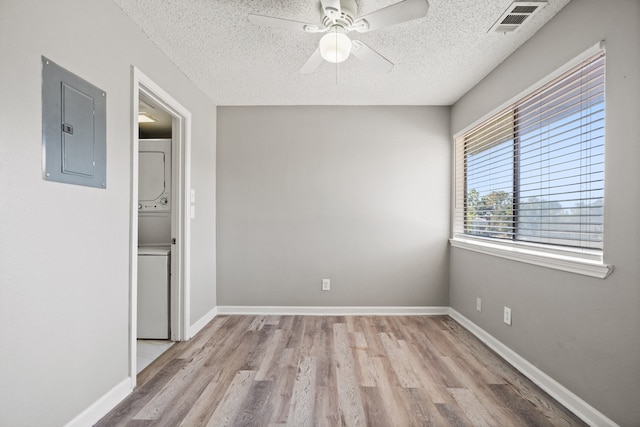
346	17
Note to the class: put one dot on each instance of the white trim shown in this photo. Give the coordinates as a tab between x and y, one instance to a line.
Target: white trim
332	311
579	262
579	407
103	405
204	320
133	238
185	234
182	123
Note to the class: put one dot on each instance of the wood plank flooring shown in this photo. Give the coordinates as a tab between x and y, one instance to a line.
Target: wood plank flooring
335	371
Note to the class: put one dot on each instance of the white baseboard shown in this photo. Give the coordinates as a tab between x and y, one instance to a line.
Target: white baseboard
582	409
332	311
201	323
103	405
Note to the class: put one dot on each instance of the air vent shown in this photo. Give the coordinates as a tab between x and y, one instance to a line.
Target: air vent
515	15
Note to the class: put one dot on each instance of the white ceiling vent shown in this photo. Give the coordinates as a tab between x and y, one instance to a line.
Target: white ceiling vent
515	15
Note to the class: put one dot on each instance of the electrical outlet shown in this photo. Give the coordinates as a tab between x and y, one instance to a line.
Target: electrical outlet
507	315
478	304
326	284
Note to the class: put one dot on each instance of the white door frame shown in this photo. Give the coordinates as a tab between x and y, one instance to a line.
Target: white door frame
181	230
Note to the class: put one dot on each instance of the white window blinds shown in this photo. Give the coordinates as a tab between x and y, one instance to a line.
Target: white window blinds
535	171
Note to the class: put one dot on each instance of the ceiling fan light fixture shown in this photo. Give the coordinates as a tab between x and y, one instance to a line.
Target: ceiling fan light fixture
335	47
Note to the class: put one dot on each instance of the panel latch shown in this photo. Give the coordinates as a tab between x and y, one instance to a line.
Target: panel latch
67	128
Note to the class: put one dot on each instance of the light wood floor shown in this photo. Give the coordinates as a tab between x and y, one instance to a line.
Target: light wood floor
335	371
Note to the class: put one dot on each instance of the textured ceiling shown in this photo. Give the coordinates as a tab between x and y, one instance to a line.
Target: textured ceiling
437	58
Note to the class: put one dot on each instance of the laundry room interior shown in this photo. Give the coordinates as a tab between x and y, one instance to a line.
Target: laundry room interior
154	231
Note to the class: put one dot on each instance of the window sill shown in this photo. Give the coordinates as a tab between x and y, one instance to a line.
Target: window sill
573	261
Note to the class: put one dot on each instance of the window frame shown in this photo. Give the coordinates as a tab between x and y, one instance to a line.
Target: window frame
589	262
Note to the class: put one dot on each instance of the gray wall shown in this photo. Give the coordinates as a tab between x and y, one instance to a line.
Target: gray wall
64	249
583	332
359	195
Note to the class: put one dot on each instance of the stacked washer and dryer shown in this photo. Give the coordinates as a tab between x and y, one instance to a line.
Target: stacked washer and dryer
154	239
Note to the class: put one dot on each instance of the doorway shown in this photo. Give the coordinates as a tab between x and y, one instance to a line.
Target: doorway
176	126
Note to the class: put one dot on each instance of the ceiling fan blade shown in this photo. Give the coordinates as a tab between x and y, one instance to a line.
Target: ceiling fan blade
403	11
312	63
331	8
370	57
270	21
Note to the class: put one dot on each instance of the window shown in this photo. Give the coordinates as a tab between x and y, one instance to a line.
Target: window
533	174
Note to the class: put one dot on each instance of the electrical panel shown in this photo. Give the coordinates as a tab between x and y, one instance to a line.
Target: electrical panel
74	133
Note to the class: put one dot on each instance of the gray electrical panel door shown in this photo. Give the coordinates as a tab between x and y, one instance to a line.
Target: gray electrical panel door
73	128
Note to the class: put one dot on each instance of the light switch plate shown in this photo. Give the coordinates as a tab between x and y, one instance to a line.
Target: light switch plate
507	315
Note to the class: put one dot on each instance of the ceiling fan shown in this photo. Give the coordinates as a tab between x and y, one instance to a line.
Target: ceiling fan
338	19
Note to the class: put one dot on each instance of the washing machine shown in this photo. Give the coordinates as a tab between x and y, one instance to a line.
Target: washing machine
154	266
